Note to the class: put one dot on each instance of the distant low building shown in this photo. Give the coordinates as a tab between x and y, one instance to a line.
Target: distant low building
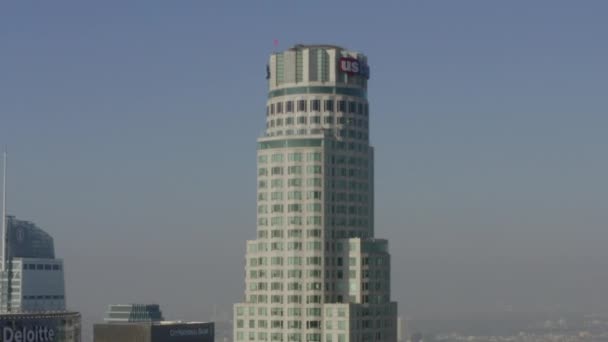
402	330
145	323
126	313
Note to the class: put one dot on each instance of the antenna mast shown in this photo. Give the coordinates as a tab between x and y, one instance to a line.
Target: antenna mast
4	232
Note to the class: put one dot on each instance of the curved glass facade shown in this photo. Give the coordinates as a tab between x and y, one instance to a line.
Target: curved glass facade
26	240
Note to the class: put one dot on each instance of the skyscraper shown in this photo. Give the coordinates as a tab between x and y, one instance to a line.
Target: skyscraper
32	289
32	280
315	271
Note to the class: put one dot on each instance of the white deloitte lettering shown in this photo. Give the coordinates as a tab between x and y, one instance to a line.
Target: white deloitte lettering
25	334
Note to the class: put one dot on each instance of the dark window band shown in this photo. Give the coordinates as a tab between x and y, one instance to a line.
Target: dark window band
290	143
318	90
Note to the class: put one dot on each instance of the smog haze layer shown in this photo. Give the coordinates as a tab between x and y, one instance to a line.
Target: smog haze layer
131	129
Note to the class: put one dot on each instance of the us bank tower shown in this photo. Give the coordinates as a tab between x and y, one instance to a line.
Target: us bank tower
316	271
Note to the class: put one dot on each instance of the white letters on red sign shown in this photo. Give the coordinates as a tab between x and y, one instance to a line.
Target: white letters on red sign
349	65
353	66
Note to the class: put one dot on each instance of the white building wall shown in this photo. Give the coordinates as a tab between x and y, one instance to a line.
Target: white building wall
36	285
314	271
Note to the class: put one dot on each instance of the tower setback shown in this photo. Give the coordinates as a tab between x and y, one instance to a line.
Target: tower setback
315	271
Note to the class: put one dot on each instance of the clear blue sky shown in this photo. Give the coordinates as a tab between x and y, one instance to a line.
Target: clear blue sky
131	128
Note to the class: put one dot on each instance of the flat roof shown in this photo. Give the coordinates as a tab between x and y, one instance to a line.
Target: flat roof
154	323
37	315
178	322
323	46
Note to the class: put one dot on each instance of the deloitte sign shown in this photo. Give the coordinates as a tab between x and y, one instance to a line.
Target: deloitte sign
28	334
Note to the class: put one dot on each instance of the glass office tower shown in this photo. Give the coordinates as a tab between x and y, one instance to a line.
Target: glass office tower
315	271
33	279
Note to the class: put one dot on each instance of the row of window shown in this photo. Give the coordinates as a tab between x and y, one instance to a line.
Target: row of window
310	245
315	299
278	195
316	273
335	145
329	324
341	325
313	156
361	174
298	233
310	182
316	246
329	312
43	297
303	120
312	337
292	157
310	208
312	195
344	221
318	286
291	337
295	286
42	267
351	222
291	208
279	221
342	133
314	169
279	183
340	184
310	233
303	106
291	170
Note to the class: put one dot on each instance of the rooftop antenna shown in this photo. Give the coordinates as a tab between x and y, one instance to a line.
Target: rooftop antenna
4	232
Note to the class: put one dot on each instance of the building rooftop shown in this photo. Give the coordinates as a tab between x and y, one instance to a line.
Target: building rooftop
178	322
318	46
26	240
37	315
128	313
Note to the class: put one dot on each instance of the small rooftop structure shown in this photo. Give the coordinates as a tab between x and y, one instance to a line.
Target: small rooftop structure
130	313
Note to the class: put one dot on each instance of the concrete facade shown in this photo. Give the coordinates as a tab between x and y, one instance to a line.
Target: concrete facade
165	331
315	271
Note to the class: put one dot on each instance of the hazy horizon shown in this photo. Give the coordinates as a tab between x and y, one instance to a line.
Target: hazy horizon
488	121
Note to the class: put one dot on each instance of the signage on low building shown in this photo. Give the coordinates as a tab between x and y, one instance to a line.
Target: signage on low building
28	334
189	332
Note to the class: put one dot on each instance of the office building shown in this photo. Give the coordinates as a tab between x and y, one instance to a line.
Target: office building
32	279
32	289
164	331
402	329
145	323
316	271
61	326
125	313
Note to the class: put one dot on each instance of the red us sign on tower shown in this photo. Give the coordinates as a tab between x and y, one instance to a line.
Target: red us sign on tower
353	66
